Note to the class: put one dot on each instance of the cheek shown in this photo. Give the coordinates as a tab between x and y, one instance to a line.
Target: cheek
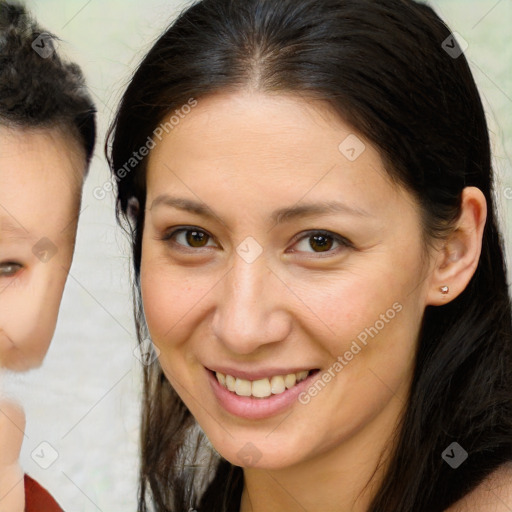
157	295
370	319
349	307
171	298
29	315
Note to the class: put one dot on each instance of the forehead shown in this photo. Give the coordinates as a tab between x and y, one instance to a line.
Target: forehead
32	154
10	228
41	149
41	176
271	148
231	123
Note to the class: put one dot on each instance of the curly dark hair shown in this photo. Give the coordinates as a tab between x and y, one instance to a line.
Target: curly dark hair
37	88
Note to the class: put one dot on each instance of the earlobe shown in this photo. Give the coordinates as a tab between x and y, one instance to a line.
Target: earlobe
133	207
458	257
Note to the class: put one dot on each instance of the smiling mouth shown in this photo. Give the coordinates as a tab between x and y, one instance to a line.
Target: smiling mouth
262	388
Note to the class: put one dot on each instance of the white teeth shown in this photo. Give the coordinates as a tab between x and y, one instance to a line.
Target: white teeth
230	382
277	384
261	388
289	380
302	375
243	387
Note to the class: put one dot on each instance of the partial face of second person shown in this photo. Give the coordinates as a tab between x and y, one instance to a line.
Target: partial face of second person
231	291
41	176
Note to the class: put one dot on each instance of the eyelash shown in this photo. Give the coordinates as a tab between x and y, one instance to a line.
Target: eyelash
344	243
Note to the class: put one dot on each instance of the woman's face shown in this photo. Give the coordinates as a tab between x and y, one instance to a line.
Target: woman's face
41	175
247	272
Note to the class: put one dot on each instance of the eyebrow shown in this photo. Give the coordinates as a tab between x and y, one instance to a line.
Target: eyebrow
12	230
278	216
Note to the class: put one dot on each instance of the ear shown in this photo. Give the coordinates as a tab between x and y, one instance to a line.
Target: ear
133	207
458	257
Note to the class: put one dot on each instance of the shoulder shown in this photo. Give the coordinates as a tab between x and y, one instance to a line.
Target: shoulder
37	498
494	494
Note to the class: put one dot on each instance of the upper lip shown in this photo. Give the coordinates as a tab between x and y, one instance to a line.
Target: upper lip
257	374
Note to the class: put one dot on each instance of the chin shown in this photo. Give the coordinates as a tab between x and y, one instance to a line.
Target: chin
16	360
258	453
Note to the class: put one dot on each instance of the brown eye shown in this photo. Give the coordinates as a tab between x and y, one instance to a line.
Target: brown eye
196	238
9	269
322	242
189	237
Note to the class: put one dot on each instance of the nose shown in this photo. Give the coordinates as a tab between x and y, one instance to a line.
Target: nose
251	307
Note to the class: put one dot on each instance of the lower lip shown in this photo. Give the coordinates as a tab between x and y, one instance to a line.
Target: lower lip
252	408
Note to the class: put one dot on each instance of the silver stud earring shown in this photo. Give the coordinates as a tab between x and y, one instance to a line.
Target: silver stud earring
444	290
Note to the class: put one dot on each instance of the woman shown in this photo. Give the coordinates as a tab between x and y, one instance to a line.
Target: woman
308	188
47	135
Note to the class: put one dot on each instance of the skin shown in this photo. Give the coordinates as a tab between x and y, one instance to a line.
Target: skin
244	155
493	495
40	184
12	427
41	175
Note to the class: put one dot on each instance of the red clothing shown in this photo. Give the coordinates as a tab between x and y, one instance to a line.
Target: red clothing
37	499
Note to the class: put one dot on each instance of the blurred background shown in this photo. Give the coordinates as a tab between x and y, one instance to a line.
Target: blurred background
83	403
